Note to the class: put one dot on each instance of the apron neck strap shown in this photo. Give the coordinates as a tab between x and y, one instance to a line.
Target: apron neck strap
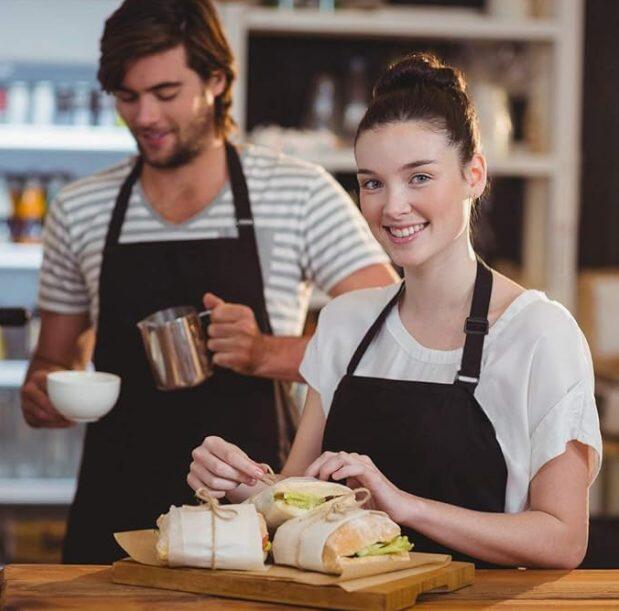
240	193
476	328
372	331
122	202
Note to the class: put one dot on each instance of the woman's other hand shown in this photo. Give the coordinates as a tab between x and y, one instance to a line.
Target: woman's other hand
360	472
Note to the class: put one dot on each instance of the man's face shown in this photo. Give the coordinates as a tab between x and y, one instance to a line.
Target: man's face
168	107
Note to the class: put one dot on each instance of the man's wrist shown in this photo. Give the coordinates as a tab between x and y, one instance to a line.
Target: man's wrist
279	357
265	352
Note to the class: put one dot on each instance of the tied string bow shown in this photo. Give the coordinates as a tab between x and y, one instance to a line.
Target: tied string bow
346	503
269	478
210	503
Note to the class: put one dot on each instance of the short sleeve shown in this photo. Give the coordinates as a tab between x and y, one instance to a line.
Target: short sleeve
315	367
62	288
561	401
337	239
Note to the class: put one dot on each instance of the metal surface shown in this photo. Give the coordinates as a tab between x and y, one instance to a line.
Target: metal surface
175	344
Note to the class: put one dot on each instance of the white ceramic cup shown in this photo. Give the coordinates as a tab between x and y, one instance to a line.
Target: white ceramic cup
83	396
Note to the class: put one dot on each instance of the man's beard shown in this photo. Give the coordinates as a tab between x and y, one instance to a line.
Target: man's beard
186	150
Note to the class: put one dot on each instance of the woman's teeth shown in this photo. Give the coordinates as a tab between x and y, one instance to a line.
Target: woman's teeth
404	232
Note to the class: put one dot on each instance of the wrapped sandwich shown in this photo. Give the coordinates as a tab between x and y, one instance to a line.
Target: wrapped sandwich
328	542
293	497
213	536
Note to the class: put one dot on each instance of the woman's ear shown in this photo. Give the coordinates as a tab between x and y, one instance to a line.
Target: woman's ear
475	175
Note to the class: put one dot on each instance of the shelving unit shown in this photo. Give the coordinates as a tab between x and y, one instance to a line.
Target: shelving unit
552	189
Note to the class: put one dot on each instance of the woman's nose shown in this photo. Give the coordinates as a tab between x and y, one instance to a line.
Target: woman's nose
397	203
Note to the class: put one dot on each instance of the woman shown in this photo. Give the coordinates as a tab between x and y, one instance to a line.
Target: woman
481	442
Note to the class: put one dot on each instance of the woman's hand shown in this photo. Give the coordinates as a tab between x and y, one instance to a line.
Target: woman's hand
359	471
221	467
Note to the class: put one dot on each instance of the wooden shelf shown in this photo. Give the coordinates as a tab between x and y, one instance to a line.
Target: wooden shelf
20	256
12	373
37	491
66	138
518	164
451	24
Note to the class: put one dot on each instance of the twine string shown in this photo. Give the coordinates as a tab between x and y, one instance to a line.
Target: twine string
269	478
346	503
210	503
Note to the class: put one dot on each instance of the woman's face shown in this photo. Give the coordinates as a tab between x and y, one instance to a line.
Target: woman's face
415	194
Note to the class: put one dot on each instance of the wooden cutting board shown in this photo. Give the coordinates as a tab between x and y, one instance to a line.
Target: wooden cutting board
396	594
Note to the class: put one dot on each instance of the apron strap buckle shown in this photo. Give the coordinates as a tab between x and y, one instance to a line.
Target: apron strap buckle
476	326
466	379
245	223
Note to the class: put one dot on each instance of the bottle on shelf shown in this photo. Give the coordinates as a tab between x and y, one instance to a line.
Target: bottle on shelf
82	111
322	110
6	210
43	103
30	212
107	116
64	104
356	98
3	103
18	103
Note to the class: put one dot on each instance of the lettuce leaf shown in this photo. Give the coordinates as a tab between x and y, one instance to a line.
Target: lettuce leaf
300	499
395	546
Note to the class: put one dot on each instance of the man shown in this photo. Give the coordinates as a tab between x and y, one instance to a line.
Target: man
191	221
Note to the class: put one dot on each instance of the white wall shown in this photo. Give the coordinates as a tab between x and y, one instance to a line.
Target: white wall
53	31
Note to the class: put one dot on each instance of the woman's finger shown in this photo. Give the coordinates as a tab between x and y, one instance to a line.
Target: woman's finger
221	469
236	458
196	484
314	469
353	469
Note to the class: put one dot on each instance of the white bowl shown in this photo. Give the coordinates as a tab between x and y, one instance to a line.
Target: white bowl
83	396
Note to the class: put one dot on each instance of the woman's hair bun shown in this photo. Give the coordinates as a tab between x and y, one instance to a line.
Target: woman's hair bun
416	69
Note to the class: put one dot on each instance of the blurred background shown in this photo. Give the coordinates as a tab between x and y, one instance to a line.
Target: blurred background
541	72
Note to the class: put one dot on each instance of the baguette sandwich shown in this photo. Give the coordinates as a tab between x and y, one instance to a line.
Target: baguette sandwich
316	543
294	497
236	537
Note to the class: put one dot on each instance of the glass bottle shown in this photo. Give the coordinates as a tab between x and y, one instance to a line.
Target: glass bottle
30	211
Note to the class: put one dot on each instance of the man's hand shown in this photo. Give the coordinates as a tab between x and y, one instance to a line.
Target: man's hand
37	408
234	336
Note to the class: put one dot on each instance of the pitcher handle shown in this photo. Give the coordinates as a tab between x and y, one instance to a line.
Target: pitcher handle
205	321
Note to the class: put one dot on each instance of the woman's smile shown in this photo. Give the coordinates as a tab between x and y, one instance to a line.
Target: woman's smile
404	234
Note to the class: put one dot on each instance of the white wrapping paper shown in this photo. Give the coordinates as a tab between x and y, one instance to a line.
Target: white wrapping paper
185	538
300	542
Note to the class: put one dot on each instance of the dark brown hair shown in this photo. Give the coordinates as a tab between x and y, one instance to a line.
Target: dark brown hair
421	87
144	27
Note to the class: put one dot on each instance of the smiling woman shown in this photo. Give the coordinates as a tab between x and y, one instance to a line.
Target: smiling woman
462	401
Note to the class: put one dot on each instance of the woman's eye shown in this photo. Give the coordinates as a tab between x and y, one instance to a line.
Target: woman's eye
370	184
419	179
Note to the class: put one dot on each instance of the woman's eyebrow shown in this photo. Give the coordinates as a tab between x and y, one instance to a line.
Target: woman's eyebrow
416	164
407	166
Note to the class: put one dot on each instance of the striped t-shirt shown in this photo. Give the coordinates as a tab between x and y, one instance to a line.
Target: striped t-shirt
307	228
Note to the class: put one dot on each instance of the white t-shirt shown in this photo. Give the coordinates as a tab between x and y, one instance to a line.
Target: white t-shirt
536	383
309	232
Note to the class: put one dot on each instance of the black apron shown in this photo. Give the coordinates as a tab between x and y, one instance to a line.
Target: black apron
136	459
432	440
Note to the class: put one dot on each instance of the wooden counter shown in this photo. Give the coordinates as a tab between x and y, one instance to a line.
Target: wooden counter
89	587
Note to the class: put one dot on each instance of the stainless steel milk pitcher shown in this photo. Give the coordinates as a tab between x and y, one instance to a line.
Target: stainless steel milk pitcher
175	343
